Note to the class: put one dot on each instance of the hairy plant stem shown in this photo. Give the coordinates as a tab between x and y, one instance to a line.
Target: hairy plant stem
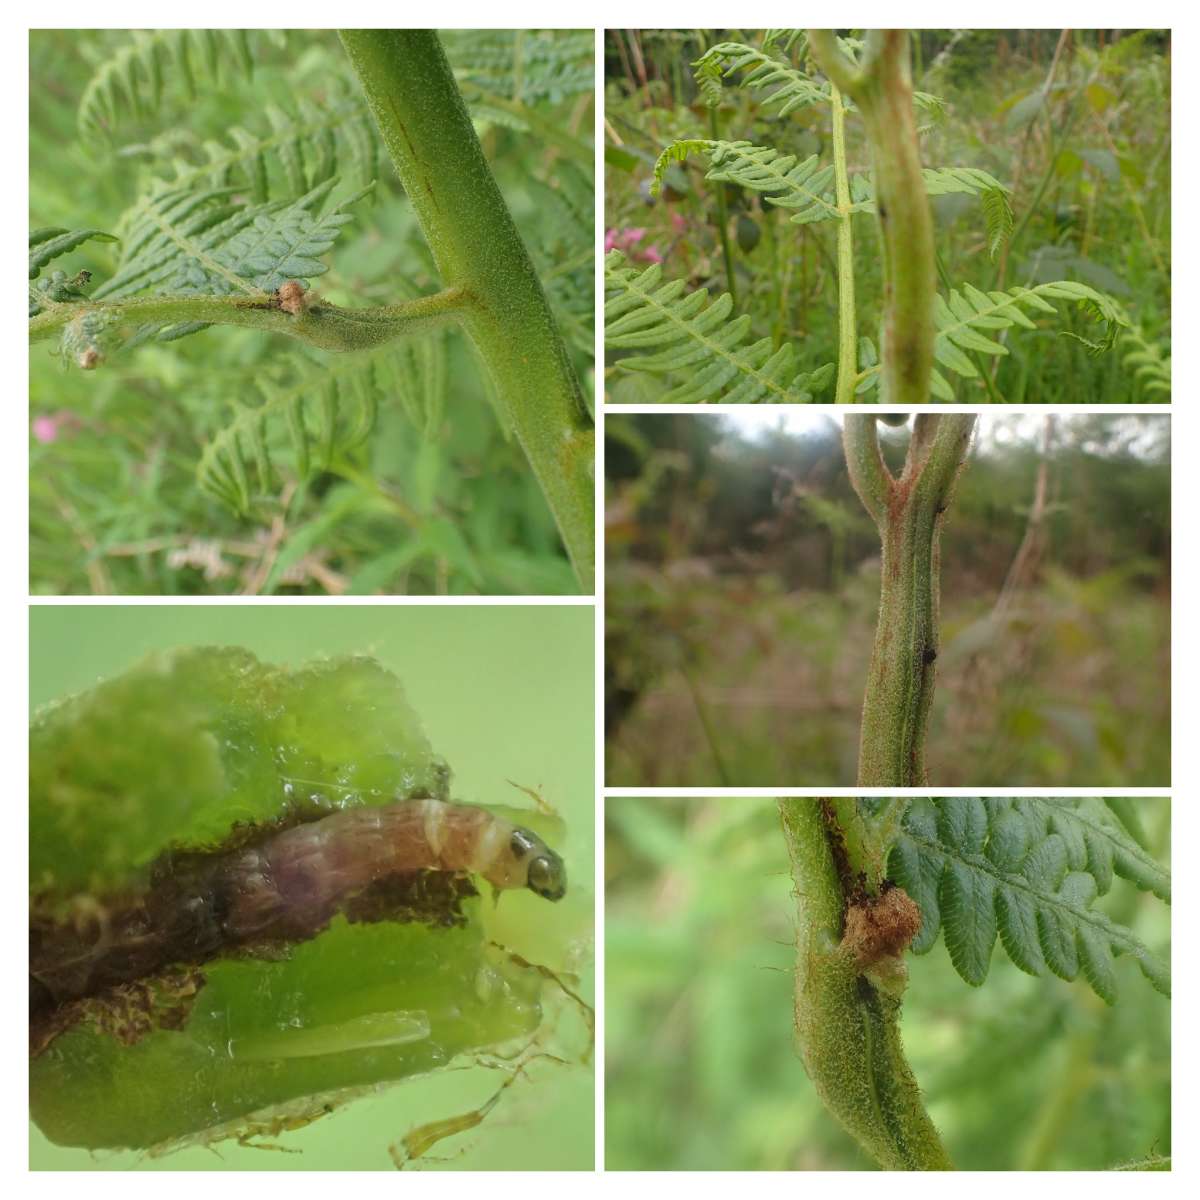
908	513
323	326
847	371
428	132
882	88
847	1030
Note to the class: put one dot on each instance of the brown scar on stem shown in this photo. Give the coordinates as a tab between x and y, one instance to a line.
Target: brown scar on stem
883	927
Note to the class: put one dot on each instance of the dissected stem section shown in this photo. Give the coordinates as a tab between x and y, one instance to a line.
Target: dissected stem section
429	135
881	86
908	513
847	1028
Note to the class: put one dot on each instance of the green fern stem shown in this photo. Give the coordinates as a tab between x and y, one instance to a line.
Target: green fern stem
427	129
847	1030
323	326
908	512
714	128
867	841
847	370
882	88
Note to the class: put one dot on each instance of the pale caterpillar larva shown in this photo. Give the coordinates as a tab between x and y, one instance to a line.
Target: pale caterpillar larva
284	887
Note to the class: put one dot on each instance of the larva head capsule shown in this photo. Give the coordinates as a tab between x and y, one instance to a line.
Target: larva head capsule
545	873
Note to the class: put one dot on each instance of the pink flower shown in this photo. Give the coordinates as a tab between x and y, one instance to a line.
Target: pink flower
626	241
45	428
622	239
50	427
678	222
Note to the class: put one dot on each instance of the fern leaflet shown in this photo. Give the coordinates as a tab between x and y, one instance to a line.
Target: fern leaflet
1151	367
1030	870
206	243
525	65
562	241
303	147
695	336
795	89
993	197
961	317
801	185
45	245
325	412
807	187
132	80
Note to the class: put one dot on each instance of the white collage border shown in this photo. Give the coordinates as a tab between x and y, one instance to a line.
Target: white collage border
599	15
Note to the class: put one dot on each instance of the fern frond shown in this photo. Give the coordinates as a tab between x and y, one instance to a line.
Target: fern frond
707	72
807	187
301	148
525	65
994	197
786	182
1030	870
45	245
677	152
132	80
793	88
322	414
961	317
998	218
1151	367
692	335
785	39
205	243
563	244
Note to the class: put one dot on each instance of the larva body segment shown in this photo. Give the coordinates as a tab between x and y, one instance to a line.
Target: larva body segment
285	888
297	880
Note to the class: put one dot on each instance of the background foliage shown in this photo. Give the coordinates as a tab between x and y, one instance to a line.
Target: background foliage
1022	1074
126	493
1082	140
743	585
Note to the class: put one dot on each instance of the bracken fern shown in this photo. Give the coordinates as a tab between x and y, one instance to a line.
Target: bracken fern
690	334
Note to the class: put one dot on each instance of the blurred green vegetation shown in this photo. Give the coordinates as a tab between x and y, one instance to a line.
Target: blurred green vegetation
1022	1074
1081	136
114	503
451	669
743	585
